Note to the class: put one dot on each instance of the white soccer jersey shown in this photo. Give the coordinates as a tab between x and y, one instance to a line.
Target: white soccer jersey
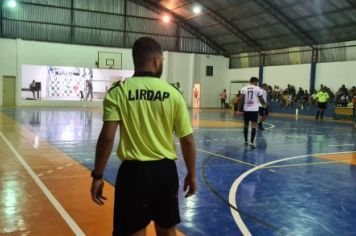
264	95
251	93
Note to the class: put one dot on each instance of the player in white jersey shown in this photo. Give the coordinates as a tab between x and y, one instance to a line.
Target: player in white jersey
251	96
263	112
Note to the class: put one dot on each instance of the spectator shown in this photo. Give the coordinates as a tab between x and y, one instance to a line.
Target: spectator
299	97
305	99
89	88
343	90
344	100
235	101
223	97
33	89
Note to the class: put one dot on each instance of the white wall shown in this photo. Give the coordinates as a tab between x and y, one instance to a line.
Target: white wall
178	67
297	75
15	53
188	68
181	69
243	74
57	54
335	74
7	60
332	74
210	86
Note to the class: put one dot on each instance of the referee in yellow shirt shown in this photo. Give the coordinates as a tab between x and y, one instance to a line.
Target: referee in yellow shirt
148	111
322	98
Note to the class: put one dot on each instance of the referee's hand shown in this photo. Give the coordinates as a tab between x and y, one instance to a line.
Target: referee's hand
97	187
190	185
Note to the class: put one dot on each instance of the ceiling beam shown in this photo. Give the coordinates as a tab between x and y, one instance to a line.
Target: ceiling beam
341	10
352	3
232	28
284	20
181	23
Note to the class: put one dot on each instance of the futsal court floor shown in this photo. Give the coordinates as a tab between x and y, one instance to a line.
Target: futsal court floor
300	179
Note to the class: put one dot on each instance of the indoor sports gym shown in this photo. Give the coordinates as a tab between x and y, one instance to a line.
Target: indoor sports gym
293	174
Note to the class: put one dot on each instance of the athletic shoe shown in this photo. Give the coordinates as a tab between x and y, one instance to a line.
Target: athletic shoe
246	143
261	127
252	145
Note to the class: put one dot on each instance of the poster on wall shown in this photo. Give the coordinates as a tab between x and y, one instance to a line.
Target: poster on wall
68	83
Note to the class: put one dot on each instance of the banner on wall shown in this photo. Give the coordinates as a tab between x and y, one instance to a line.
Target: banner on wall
68	83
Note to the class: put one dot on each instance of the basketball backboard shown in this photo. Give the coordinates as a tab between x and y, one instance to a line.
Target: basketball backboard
110	60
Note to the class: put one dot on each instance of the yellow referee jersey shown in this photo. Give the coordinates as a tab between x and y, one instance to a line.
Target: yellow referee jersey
150	110
322	96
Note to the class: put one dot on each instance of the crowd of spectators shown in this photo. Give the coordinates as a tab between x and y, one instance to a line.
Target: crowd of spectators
303	98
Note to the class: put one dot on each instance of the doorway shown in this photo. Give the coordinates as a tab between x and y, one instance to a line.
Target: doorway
8	91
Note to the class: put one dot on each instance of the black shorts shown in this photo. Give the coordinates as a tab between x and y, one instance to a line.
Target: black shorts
145	191
250	116
322	105
222	101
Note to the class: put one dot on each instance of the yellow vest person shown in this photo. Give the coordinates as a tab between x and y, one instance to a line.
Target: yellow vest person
149	112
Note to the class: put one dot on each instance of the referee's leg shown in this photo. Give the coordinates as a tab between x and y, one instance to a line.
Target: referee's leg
132	208
165	232
165	205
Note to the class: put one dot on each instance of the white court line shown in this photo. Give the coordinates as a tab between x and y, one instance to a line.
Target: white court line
71	223
341	145
233	190
272	126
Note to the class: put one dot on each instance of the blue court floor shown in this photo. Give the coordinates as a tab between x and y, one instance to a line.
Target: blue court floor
300	179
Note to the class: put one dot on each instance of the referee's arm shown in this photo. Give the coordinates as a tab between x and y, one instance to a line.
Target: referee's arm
103	150
104	145
188	150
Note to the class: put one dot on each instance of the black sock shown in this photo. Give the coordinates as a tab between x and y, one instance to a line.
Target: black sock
321	114
317	114
245	133
253	134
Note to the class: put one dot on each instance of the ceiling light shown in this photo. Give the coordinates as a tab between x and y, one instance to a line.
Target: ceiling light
197	9
12	3
166	19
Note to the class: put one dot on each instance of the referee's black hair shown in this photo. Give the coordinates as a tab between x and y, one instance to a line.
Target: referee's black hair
253	80
143	50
